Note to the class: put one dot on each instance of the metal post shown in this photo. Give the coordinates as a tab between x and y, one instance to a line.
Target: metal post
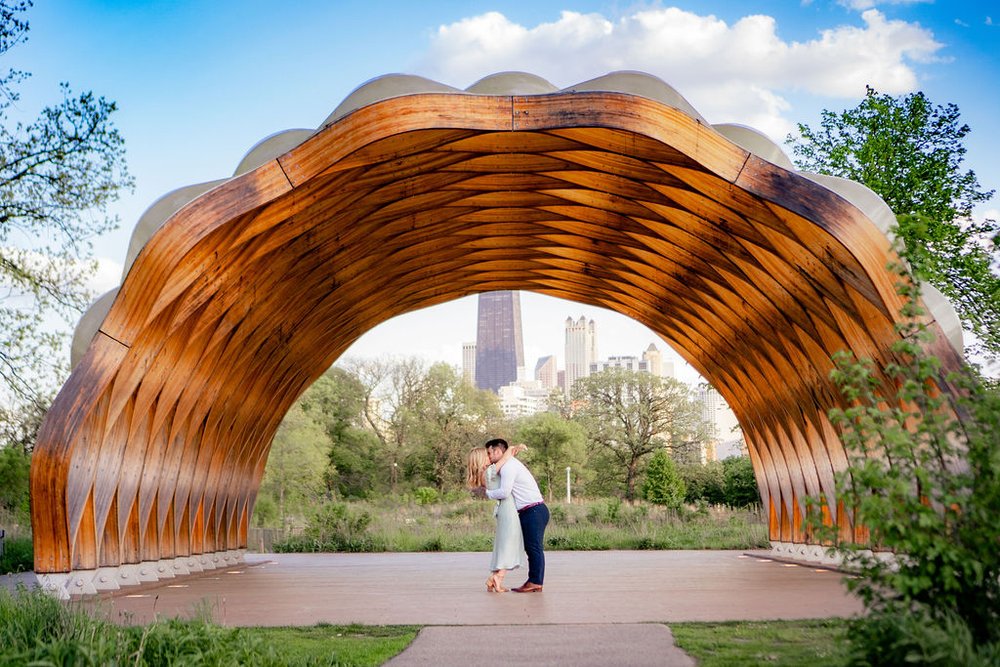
568	498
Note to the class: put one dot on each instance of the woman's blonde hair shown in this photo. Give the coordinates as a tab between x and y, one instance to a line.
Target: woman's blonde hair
478	460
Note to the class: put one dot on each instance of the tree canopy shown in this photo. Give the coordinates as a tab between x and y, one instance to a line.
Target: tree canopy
58	172
629	415
910	152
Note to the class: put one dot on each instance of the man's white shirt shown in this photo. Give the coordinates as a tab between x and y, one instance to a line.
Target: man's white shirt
516	481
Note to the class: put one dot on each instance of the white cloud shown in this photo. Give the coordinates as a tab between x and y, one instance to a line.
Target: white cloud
862	5
107	277
730	73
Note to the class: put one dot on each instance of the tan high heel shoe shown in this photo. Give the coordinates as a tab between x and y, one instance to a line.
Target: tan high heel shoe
491	584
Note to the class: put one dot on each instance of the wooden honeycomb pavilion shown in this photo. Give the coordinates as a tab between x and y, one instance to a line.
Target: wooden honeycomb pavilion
239	293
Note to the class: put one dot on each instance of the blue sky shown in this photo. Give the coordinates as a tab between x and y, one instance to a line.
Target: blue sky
199	83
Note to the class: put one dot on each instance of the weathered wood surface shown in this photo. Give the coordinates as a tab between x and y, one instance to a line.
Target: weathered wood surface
756	276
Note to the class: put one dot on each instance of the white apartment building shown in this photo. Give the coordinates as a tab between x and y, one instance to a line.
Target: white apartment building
469	363
581	350
520	399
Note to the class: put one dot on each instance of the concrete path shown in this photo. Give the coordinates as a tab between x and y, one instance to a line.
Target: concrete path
581	587
622	645
598	607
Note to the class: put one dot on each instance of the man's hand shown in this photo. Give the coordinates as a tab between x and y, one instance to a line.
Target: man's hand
479	492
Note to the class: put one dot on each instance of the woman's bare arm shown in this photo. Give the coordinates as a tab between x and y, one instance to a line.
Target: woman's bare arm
511	451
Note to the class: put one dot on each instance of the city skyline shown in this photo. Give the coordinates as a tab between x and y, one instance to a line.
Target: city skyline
543	320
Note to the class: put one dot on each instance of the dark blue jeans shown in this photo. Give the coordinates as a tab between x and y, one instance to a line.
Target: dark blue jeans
533	522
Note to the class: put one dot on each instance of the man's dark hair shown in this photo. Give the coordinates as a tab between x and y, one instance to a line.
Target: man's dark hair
497	442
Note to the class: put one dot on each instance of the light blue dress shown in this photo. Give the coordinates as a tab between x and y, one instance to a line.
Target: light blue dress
508	543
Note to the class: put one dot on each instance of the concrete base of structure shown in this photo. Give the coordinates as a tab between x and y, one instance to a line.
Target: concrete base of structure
813	554
82	583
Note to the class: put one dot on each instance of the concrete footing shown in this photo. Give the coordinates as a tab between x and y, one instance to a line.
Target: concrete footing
813	554
82	583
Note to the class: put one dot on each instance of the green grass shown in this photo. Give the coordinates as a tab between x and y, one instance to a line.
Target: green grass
809	643
37	629
339	644
592	525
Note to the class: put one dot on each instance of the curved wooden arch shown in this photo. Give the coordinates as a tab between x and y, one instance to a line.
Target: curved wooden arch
155	447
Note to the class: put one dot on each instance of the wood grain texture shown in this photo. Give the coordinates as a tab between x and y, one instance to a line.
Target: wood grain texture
156	445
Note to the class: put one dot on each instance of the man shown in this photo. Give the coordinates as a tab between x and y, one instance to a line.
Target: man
516	481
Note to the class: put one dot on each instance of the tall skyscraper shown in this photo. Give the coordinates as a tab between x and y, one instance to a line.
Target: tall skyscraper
581	350
469	363
499	345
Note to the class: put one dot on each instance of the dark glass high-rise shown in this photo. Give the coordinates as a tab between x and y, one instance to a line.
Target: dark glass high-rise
499	345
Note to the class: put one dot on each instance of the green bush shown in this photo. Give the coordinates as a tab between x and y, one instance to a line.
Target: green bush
704	482
663	484
902	637
740	485
15	465
426	495
18	555
926	483
557	514
607	512
334	527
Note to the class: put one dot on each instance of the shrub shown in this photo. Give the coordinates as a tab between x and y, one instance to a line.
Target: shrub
740	485
426	495
15	464
607	512
902	637
705	483
663	484
927	486
334	527
18	555
557	514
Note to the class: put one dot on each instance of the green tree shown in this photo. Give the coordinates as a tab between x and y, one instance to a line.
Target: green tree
18	429
703	482
14	495
628	415
739	483
57	173
19	424
336	401
554	444
450	418
927	486
663	484
910	152
392	392
293	475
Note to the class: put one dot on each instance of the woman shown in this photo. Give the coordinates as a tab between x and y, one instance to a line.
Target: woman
508	543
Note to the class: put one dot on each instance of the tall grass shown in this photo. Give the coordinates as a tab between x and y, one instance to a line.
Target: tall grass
468	525
40	630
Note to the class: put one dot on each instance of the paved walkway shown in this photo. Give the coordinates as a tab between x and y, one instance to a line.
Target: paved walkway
609	606
448	589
